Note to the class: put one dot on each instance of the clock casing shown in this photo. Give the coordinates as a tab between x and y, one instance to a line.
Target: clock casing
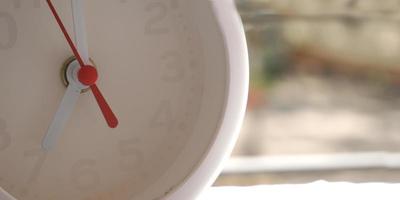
176	73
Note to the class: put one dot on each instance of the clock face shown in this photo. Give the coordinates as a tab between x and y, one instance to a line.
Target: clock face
163	69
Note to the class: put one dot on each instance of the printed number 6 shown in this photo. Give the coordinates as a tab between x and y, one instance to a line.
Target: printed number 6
84	177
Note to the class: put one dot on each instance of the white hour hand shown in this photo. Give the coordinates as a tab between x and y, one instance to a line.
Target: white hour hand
63	113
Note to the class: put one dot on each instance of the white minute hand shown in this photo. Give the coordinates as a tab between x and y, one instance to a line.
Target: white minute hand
80	29
82	48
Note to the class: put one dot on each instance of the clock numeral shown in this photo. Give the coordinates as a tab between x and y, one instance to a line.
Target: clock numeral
40	158
11	30
17	3
163	116
84	177
173	70
132	157
159	11
5	138
154	25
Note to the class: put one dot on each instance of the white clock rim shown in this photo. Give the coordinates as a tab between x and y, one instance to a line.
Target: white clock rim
212	165
236	44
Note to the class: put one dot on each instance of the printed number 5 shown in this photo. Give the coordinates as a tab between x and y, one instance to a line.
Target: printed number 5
132	156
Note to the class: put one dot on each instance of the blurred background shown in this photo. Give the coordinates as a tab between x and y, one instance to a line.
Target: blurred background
324	101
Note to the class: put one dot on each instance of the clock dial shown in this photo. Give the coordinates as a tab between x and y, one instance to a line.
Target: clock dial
163	67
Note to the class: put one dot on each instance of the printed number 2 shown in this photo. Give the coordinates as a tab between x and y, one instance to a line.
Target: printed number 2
159	12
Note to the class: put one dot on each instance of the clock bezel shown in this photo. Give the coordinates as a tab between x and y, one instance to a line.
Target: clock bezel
238	61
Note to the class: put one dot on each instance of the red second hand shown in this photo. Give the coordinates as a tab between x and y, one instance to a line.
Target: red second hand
112	121
87	74
65	32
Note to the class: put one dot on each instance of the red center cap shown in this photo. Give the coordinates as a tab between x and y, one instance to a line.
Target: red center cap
87	75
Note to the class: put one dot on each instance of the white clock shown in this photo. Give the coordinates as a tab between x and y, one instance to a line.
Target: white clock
144	102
